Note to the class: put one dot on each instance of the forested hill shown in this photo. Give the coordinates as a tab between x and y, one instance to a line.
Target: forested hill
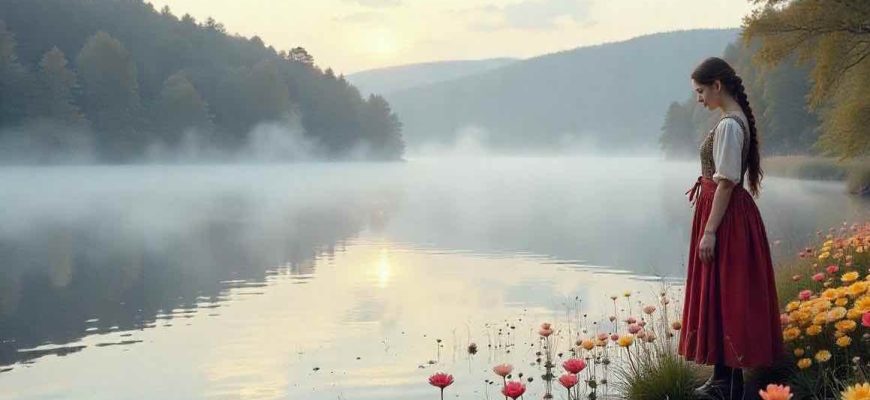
124	81
392	79
608	96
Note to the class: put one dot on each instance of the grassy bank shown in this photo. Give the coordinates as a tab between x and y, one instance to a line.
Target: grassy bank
856	172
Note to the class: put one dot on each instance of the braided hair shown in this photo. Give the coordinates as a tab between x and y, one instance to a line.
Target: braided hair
716	69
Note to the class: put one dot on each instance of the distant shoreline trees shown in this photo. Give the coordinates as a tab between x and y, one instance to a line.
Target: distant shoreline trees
141	78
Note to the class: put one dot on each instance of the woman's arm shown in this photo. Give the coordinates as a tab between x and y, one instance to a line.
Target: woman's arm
720	203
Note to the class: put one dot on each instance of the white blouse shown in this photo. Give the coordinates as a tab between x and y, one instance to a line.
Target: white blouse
728	150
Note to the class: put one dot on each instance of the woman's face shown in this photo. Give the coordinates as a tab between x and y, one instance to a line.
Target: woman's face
710	96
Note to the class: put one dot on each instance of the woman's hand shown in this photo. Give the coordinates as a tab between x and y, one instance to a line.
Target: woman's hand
706	247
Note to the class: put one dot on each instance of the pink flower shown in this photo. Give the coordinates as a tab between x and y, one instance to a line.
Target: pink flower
832	269
784	319
805	294
614	337
649	309
441	380
574	365
502	370
545	332
568	380
642	324
630	320
513	389
776	392
634	328
602	336
819	277
865	319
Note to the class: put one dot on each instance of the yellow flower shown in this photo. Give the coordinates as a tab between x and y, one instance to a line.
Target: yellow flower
844	341
863	303
846	325
627	293
842	301
830	294
791	334
625	340
823	356
798	352
804	363
791	306
824	255
849	276
854	314
820	319
814	330
859	391
836	314
858	288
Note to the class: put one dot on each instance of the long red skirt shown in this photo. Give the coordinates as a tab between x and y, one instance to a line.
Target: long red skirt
730	309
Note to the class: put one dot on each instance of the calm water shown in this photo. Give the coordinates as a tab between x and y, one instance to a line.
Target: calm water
333	281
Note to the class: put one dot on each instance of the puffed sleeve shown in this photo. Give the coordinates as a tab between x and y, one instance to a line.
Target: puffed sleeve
728	150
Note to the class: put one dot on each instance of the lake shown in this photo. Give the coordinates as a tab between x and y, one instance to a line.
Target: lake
339	280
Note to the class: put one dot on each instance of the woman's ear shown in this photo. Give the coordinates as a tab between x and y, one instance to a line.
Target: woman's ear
717	85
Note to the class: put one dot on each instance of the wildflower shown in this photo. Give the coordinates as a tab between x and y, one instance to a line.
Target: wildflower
676	325
814	330
849	276
587	344
819	277
546	330
844	341
846	325
791	306
804	363
823	356
625	340
634	328
854	314
574	365
841	302
627	293
865	320
832	269
805	294
863	303
568	380
503	370
441	380
836	314
798	352
649	309
791	333
630	320
513	389
602	336
858	391
614	337
649	337
776	392
784	319
858	288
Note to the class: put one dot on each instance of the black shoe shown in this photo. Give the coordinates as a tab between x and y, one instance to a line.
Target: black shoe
720	389
714	388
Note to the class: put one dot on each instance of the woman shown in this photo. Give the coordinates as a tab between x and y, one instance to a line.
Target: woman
730	310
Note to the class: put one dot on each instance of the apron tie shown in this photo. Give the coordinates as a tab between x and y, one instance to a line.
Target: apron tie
693	191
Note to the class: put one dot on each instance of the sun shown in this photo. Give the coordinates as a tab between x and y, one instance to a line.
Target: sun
382	42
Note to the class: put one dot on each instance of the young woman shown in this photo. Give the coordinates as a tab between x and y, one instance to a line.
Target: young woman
730	310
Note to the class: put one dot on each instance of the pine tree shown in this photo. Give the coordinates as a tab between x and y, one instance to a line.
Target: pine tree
57	85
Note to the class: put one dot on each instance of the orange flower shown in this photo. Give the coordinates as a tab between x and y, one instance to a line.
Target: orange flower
776	392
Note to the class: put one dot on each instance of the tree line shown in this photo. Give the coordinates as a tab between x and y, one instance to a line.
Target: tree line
806	70
124	79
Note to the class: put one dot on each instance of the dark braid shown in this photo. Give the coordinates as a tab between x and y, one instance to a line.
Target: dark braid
753	161
713	69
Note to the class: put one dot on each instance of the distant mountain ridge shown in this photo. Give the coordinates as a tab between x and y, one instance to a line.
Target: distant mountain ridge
610	96
401	77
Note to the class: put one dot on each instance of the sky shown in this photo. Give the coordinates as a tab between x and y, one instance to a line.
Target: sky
355	35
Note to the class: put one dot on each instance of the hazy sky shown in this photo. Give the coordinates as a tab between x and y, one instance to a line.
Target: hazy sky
354	35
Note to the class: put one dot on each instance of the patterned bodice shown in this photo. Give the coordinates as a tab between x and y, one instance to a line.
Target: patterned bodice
708	166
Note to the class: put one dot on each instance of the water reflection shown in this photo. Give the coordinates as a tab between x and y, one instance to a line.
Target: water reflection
326	281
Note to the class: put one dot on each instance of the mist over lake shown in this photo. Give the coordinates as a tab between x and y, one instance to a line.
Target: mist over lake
227	281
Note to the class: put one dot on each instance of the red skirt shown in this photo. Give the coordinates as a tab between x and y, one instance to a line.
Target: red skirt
730	309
